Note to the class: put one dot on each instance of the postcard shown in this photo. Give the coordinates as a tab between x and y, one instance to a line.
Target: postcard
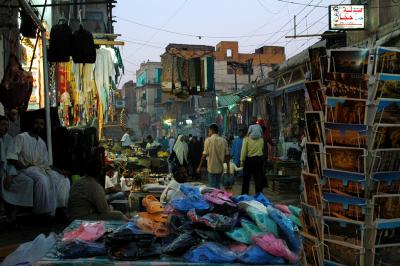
345	111
349	61
341	254
345	159
319	63
311	250
386	183
344	207
388	61
386	207
387	137
387	89
314	162
387	233
343	231
312	189
346	135
314	128
343	183
316	95
310	223
347	85
388	255
386	160
387	111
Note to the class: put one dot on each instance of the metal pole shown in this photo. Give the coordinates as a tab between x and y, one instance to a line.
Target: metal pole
46	97
28	9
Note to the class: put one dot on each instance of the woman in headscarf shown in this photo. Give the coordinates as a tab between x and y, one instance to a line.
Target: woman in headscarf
181	150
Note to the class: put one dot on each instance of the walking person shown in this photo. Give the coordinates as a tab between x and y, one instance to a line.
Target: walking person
252	162
195	150
217	153
236	148
181	151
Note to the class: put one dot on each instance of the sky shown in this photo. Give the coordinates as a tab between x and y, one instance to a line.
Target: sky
148	26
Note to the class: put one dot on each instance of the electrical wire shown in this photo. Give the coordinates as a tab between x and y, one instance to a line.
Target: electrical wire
298	22
201	36
266	9
397	4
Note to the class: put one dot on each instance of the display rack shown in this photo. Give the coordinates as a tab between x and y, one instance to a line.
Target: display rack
351	178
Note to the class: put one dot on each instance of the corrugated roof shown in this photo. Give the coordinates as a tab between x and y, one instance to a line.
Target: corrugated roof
226	100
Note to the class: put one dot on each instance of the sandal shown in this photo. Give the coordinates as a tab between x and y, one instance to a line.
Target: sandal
213	220
210	252
243	205
208	235
275	247
180	244
155	228
152	204
220	197
255	255
239	235
260	197
290	231
283	208
250	228
243	197
156	217
129	233
133	252
263	221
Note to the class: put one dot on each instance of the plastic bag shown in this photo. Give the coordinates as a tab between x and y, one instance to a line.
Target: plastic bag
31	252
86	232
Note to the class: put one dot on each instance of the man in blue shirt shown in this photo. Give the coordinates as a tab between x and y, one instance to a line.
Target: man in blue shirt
236	148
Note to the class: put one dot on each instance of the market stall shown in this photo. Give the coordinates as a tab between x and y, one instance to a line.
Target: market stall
194	225
351	182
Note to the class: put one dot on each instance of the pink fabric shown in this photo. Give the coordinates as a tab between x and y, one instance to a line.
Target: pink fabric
86	231
283	208
276	247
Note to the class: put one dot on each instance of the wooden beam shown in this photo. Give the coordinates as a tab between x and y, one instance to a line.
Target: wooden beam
106	42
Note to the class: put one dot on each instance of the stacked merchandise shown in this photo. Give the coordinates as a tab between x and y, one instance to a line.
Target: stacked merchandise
352	160
213	227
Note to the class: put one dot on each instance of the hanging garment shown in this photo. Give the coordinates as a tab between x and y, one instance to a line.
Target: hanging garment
28	27
16	86
60	48
103	70
83	49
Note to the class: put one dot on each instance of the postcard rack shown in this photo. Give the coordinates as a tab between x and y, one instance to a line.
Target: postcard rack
351	173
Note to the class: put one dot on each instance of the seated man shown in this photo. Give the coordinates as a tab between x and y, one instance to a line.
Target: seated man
16	190
87	200
113	188
30	157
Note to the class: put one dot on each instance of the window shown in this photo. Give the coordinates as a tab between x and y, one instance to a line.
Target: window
229	53
230	71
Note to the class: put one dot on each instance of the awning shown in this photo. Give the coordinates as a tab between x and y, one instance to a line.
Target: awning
226	100
296	87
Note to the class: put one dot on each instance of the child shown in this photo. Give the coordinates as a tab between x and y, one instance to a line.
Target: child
255	130
229	180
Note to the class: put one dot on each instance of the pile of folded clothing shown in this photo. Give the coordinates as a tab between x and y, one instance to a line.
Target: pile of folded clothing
209	227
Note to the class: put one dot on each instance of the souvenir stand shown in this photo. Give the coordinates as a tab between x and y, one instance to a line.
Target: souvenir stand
350	203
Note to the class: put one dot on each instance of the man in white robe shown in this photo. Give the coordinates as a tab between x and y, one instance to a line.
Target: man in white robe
30	156
16	190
